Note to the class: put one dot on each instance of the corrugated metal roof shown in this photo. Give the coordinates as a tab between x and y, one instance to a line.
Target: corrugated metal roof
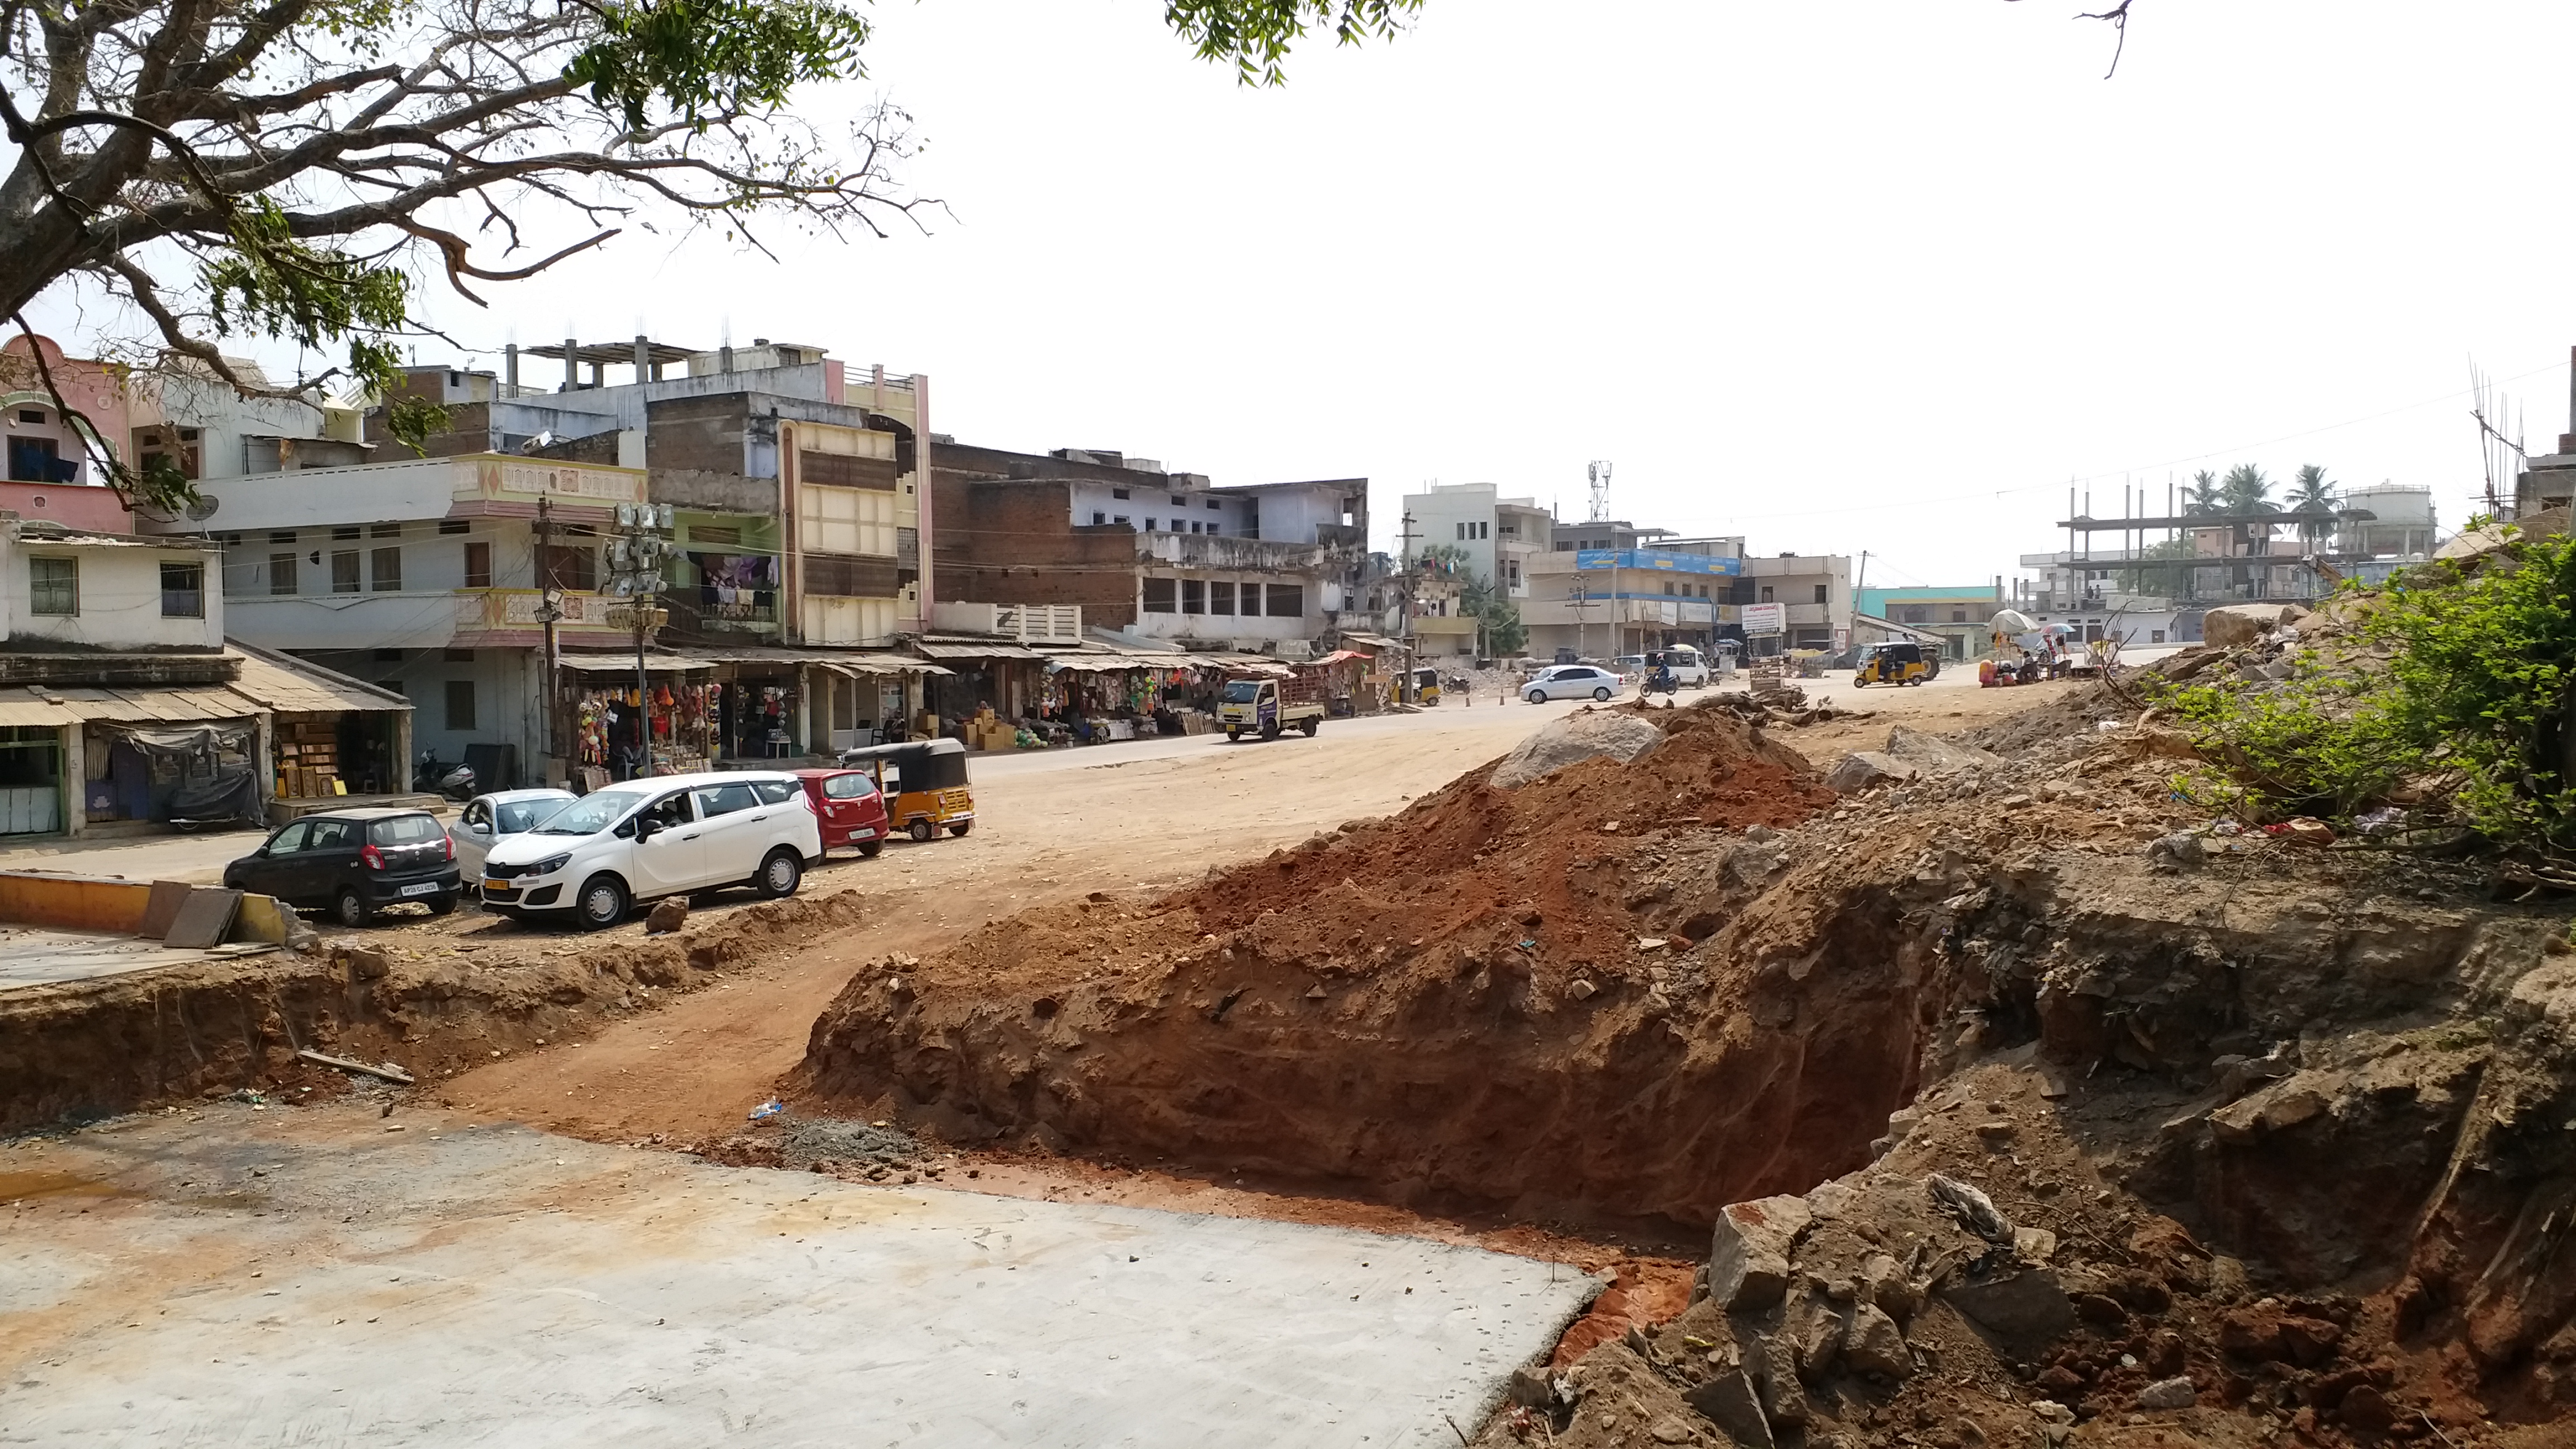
290	686
995	650
34	712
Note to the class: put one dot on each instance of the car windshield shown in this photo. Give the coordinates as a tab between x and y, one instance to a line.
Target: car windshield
403	830
1242	691
592	814
518	815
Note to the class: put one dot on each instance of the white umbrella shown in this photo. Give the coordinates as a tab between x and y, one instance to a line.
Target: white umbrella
2014	621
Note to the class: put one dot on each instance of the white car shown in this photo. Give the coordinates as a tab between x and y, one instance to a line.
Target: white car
487	820
1571	681
595	859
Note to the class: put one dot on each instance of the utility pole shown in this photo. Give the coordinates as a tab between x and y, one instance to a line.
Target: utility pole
1404	560
637	555
550	613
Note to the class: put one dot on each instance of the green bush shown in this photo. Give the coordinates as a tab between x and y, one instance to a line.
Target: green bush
2476	688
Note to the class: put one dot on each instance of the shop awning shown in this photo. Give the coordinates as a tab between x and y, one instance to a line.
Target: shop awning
56	705
288	685
995	650
625	663
845	661
1373	641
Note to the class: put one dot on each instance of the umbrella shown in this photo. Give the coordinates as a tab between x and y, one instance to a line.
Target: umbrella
2014	621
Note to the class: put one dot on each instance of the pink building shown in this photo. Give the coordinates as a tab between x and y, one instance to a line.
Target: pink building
49	475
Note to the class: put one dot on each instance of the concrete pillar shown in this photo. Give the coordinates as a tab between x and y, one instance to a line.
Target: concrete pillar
75	780
263	751
510	367
805	707
644	369
572	366
402	749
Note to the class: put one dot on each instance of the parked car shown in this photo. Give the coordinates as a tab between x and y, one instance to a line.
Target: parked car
487	820
354	863
851	807
597	858
1571	681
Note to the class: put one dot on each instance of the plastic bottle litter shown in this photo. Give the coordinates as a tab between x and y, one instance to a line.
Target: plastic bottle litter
770	1108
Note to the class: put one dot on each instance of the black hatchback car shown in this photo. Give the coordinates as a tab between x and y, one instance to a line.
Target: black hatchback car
353	863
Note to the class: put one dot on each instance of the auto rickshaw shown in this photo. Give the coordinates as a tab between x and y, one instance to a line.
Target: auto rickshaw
1426	686
924	784
1898	663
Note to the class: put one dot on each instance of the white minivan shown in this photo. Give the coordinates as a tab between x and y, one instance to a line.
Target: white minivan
596	858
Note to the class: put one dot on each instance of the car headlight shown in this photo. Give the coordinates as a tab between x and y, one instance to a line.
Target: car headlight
551	864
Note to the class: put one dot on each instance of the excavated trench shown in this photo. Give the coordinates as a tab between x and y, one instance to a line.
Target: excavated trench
1601	999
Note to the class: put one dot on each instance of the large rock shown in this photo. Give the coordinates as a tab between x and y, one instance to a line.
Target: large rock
1933	755
1865	768
1784	1399
2237	624
1748	1259
1729	1402
1579	736
2029	1306
1876	1346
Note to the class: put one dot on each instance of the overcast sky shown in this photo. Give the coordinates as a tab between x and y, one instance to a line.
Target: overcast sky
1874	274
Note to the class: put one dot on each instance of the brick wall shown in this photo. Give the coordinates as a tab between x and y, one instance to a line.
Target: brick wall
1007	541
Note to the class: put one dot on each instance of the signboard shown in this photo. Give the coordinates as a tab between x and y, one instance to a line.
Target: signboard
1765	618
1651	560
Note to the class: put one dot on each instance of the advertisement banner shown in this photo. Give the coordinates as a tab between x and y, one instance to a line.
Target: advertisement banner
1766	619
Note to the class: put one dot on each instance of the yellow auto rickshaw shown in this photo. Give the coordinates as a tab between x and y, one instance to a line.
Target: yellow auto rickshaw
1900	663
924	783
1426	686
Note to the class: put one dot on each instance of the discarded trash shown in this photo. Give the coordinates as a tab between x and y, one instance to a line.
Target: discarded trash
2226	827
1974	1210
2108	725
2387	820
770	1108
2306	830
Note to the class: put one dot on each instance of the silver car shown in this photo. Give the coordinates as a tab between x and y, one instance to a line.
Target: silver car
1571	681
490	819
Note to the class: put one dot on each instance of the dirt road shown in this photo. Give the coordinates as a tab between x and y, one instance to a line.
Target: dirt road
1052	827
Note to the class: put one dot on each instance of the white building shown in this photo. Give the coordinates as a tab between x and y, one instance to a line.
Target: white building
1497	534
425	577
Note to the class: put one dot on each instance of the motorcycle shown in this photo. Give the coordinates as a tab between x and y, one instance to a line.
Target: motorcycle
456	782
1661	681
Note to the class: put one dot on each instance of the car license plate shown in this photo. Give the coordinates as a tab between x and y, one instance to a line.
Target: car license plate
421	888
497	887
863	833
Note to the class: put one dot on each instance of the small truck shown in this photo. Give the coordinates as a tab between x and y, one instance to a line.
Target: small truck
1265	705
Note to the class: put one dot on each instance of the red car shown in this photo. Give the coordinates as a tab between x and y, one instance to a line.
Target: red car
852	810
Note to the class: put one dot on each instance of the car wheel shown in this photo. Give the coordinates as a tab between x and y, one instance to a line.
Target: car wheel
1270	731
1535	697
444	904
1602	692
920	829
961	827
1310	726
868	849
602	902
350	908
780	873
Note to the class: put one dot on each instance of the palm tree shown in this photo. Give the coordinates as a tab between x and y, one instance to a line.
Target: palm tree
2313	493
2246	490
2203	495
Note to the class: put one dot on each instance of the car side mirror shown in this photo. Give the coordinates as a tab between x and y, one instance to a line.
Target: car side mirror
646	828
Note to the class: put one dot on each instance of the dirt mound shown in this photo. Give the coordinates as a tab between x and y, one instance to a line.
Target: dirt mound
1490	999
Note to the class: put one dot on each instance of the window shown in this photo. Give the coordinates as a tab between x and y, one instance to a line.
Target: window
715	533
1179	502
1958	616
852	786
1484	530
1212	503
403	830
2155	636
1221	597
478	565
562	567
344	572
385	530
1193	596
53	586
456	525
1766	595
1821	592
32	415
183	591
1158	596
385	565
775	792
1117	492
1462	532
1287	601
715	800
1120	520
291	839
345	530
1668	588
460	704
281	573
1098	519
333	835
1149	525
36	460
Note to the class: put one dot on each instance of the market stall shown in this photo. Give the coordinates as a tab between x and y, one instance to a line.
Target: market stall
616	728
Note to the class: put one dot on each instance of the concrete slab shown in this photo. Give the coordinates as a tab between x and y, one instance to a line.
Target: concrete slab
35	955
304	1277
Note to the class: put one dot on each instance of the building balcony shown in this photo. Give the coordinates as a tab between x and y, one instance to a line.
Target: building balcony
1221	553
694	614
1027	623
475	485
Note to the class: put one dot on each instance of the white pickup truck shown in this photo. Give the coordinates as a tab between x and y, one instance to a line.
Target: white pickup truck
1266	706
